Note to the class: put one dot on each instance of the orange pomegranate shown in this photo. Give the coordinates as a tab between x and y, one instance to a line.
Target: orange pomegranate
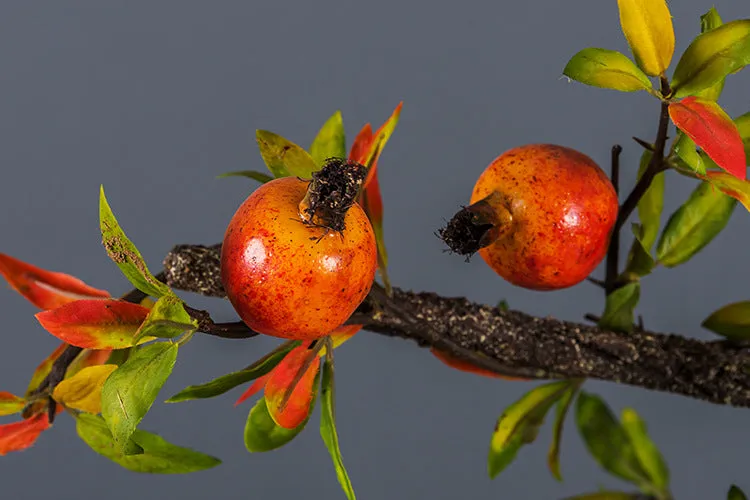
299	256
541	216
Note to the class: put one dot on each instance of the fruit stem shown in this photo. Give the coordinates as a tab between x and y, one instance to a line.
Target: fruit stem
613	252
478	225
332	191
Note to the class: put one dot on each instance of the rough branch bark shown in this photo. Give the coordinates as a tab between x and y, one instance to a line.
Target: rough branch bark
515	343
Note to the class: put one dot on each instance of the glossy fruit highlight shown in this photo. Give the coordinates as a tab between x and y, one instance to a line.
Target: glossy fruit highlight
299	256
541	216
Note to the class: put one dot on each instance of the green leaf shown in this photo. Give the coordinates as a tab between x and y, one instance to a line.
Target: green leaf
330	141
640	263
519	424
606	440
222	384
607	69
709	21
563	404
263	434
743	126
651	204
119	356
127	257
648	454
130	390
606	495
283	157
685	149
618	310
251	174
167	319
157	457
731	321
698	221
735	493
711	57
328	428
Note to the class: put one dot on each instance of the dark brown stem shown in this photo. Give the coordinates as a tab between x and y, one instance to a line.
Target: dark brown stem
234	330
613	252
517	344
655	166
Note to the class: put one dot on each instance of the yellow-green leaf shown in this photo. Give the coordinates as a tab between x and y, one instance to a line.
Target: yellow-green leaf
519	424
743	126
328	428
709	21
607	69
127	257
330	141
648	454
156	456
563	404
694	225
606	440
735	493
685	149
130	390
283	157
83	391
10	403
250	174
166	319
263	434
619	308
731	321
711	57
647	25
651	204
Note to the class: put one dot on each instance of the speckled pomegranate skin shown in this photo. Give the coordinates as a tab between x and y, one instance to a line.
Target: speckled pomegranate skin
281	278
563	209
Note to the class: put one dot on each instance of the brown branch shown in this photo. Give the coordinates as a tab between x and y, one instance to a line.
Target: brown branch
514	343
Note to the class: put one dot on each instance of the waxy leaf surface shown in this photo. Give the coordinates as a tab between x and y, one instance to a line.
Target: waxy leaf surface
95	324
45	289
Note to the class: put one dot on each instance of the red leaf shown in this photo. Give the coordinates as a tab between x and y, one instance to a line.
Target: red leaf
45	289
21	435
465	366
95	324
713	130
278	385
342	334
257	385
361	144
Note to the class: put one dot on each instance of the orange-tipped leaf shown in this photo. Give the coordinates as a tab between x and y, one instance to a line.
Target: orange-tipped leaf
10	403
45	289
44	368
21	435
95	324
297	407
738	189
256	386
713	131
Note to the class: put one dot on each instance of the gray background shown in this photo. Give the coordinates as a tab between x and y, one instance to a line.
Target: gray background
154	99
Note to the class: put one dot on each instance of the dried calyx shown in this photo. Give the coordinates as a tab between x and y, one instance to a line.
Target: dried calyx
478	225
332	191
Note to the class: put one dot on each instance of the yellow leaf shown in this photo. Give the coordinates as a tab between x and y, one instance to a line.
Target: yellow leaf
647	25
83	390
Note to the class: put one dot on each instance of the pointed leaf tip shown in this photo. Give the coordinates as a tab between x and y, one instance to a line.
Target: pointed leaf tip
21	435
95	324
278	387
45	289
647	26
124	253
607	69
711	57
